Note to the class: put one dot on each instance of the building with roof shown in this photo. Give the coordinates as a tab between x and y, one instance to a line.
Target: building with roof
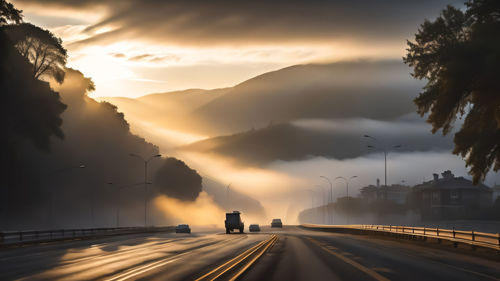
396	193
451	197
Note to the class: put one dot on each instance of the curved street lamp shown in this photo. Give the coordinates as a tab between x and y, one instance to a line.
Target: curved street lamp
347	191
331	197
384	149
331	188
145	182
346	184
324	202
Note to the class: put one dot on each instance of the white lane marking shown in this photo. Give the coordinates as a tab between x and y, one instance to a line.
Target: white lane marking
140	270
146	269
153	265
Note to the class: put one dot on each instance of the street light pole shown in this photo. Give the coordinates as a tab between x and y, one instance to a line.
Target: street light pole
145	183
384	149
347	192
324	203
331	187
347	184
331	197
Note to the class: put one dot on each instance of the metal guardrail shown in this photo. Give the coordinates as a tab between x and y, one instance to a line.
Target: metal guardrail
470	237
38	236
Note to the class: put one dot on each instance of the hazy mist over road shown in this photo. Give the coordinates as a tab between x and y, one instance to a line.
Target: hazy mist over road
250	140
258	113
272	136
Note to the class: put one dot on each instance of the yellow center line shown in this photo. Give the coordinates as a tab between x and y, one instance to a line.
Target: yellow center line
244	254
273	240
375	275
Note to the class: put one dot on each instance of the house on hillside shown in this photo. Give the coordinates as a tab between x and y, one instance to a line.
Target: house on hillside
396	193
451	197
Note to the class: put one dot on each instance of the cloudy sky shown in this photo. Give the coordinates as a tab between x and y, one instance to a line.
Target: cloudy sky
135	47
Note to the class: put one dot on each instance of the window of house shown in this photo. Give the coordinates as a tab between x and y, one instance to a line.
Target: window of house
454	194
435	195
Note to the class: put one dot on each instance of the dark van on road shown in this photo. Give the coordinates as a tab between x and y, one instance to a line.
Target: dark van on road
233	221
276	223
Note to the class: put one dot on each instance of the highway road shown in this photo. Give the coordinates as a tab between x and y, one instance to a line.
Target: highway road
292	254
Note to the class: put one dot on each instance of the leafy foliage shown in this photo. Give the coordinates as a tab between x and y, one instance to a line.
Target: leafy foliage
41	47
175	179
9	14
31	109
459	56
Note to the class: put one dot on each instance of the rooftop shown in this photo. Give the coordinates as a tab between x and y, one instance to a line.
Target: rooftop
449	181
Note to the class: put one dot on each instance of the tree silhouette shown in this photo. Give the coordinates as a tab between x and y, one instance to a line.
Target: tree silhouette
42	48
9	14
175	179
30	108
459	56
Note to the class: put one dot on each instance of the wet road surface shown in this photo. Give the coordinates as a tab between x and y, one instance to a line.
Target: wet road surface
298	254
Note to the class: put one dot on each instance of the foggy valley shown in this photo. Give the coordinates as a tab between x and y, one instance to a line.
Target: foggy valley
276	140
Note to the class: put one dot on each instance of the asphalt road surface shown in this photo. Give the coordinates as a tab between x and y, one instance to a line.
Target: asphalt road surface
297	254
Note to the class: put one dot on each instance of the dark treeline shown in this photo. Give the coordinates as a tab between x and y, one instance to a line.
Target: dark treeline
291	142
65	157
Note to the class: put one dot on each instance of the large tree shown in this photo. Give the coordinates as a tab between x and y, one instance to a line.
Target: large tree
42	49
459	56
175	179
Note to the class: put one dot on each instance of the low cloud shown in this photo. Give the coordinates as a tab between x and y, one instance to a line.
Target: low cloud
140	57
154	58
221	22
284	188
333	138
203	211
118	55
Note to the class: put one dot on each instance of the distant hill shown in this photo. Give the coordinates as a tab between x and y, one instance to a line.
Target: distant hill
375	90
182	101
168	110
344	139
353	95
170	102
169	113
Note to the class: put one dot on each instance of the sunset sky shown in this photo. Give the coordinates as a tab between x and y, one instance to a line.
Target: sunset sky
132	48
